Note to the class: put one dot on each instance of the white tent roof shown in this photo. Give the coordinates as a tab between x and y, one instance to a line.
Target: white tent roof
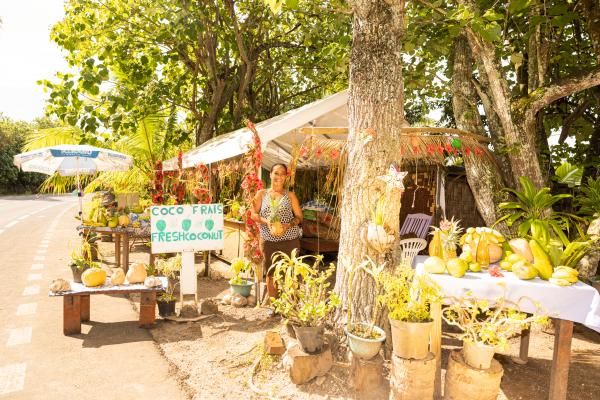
278	134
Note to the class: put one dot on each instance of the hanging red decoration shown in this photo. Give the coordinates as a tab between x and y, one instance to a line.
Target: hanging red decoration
415	149
430	149
440	149
448	147
468	151
334	154
478	151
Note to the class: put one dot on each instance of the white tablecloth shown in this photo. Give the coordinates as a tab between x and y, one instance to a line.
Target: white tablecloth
578	302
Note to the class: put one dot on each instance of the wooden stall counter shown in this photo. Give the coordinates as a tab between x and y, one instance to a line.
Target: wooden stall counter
76	302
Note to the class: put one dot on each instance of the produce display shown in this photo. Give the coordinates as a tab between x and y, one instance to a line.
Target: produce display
93	277
486	249
98	215
60	285
137	273
117	277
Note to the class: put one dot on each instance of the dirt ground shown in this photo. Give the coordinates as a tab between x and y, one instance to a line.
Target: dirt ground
215	358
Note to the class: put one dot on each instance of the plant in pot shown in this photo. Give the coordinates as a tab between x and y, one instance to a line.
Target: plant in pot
304	298
379	235
81	259
364	338
408	298
169	268
239	284
487	326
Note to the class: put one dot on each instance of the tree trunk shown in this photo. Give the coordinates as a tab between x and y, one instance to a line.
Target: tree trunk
484	178
376	102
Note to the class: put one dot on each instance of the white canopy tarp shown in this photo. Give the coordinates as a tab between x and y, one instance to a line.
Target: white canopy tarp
278	135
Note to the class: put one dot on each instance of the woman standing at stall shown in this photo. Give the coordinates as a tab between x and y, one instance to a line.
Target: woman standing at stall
289	214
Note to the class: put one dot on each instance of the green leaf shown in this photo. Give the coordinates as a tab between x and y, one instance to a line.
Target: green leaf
517	5
293	4
569	174
492	15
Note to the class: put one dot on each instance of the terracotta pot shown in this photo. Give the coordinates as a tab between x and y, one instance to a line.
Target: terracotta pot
411	339
310	338
478	355
365	348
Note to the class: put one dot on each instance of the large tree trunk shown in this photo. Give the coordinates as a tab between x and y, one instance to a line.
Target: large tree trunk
376	102
484	178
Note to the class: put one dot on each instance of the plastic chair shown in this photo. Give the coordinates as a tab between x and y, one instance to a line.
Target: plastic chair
409	249
417	224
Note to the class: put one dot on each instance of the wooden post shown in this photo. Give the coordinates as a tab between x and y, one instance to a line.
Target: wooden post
85	307
435	346
147	309
71	315
412	379
125	252
465	382
118	249
367	375
559	374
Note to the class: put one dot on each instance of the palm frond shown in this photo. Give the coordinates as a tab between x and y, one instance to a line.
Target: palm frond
52	137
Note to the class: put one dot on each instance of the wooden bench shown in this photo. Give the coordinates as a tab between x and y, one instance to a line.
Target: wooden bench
76	303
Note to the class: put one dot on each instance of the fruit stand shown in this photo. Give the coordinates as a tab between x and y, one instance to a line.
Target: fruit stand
121	240
567	304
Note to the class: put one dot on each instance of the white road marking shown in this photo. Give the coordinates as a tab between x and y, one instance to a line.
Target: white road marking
43	245
27	309
19	336
37	266
1	230
12	378
46	241
11	224
31	290
23	217
34	277
39	258
41	251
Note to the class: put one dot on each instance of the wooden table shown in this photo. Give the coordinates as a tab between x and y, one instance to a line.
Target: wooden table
316	245
121	236
76	303
582	307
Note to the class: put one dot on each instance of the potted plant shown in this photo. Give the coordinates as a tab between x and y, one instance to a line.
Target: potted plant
408	297
170	269
304	298
81	259
487	326
379	235
239	285
364	338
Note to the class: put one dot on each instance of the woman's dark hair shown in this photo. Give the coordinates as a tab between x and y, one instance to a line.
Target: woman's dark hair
279	165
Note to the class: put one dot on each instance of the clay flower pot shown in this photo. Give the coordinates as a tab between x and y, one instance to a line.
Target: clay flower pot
478	355
310	338
411	339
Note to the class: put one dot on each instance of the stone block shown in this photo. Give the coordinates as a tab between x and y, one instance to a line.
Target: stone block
208	307
273	343
303	367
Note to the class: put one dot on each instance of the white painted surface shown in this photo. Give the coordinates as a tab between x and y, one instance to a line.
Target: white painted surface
37	267
31	290
39	258
19	336
34	277
11	224
12	378
27	309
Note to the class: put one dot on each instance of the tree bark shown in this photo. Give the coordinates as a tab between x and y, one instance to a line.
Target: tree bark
485	179
591	9
376	101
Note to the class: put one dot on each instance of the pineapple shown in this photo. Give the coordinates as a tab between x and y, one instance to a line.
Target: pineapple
275	227
445	239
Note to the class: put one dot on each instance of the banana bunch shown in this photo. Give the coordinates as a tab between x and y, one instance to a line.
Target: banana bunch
564	276
574	252
473	235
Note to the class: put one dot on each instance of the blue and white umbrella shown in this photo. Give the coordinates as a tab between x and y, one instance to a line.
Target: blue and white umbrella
72	160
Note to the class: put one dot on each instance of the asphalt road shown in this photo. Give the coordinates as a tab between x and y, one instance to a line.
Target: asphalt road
111	359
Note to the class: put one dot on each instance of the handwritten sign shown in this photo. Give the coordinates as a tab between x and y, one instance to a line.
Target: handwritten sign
186	228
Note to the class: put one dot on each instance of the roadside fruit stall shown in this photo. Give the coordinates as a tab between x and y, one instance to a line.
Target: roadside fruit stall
490	266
